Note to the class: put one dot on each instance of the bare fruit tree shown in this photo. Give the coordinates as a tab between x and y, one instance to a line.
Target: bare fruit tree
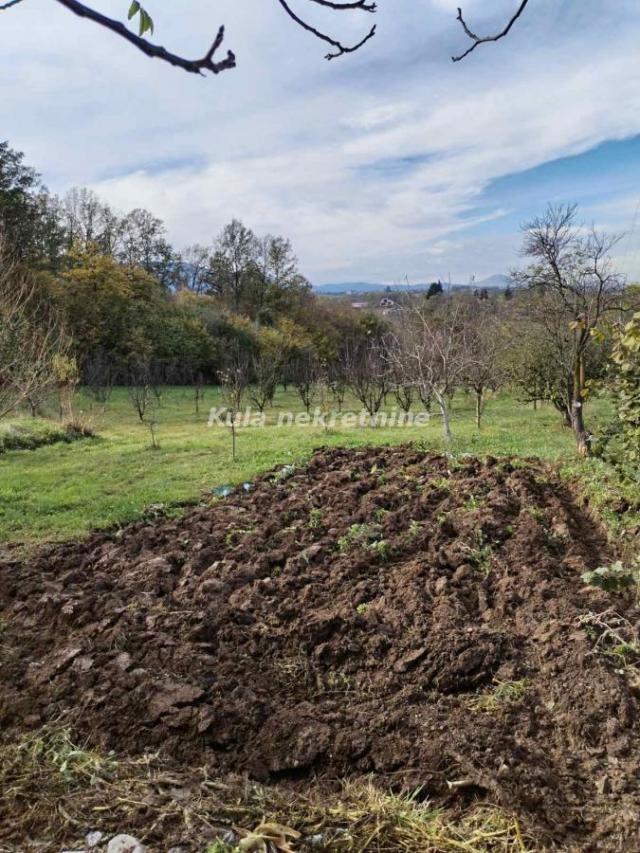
32	339
368	374
306	373
144	394
484	360
267	361
234	380
266	373
577	288
337	381
404	392
430	349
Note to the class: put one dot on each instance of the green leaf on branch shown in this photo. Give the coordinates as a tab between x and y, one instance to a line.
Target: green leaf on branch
145	22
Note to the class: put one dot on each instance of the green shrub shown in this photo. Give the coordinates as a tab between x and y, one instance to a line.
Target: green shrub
29	435
611	578
626	389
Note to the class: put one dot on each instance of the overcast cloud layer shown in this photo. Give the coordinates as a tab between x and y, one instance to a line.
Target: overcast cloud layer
380	165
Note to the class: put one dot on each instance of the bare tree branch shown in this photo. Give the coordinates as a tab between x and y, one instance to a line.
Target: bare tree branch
340	49
478	40
194	66
358	4
207	62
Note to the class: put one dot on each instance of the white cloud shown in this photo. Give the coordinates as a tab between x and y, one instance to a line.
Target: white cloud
373	164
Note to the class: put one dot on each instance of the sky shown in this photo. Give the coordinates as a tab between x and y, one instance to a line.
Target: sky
388	165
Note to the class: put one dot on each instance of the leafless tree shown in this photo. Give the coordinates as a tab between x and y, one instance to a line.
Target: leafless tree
404	394
144	393
430	349
404	391
484	363
368	373
32	338
36	401
337	380
306	373
199	390
209	63
577	287
234	380
266	373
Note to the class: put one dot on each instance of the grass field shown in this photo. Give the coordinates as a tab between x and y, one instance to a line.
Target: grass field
62	491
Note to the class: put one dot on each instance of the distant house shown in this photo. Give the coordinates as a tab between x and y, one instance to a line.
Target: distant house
359	305
389	306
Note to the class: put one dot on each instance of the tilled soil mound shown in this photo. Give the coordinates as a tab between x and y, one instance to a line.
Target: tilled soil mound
382	611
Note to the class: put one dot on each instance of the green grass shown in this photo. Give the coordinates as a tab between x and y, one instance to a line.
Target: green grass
62	491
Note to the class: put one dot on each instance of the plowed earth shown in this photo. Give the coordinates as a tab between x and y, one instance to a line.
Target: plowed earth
381	611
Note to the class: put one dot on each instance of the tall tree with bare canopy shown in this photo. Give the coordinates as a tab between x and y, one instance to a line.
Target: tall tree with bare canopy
577	289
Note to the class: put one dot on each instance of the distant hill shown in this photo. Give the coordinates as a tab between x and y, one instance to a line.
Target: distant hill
355	287
497	280
345	287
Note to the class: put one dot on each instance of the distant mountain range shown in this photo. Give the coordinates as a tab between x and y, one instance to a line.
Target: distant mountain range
347	287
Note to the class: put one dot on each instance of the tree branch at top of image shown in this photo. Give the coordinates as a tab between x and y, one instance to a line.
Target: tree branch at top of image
339	48
195	66
478	40
209	63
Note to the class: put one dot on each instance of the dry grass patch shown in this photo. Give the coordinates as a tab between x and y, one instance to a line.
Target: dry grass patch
55	791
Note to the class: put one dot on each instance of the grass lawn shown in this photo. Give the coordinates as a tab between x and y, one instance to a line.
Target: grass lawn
62	491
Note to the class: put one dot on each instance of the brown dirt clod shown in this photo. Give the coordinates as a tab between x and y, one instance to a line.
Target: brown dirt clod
344	621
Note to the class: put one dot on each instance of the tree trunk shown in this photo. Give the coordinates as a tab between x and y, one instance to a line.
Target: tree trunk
444	410
565	411
581	432
577	410
478	406
65	397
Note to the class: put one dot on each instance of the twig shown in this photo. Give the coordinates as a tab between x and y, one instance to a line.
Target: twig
610	624
340	48
194	66
478	40
9	4
358	4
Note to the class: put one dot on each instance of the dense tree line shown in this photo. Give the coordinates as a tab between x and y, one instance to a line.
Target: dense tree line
126	297
105	299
